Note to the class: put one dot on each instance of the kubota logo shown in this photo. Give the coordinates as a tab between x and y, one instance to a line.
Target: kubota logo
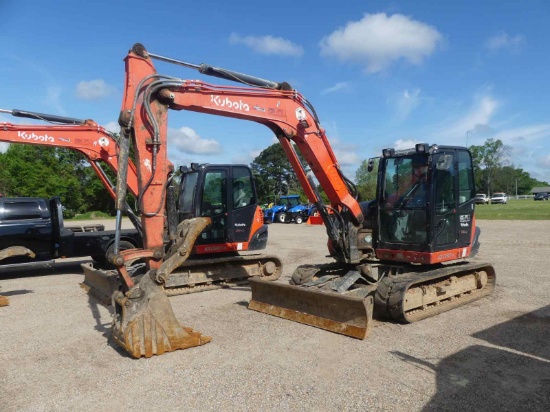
35	137
221	102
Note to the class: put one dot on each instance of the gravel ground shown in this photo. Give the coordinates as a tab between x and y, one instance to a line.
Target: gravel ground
490	355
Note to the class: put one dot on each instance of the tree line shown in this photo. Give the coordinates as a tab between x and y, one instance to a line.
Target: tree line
494	171
38	171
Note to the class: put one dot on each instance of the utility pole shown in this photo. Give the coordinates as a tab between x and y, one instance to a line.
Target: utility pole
467	136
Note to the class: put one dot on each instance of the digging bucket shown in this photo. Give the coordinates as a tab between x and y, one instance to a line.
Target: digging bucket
144	323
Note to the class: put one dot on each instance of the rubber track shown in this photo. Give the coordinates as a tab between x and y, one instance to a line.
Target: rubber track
222	283
395	289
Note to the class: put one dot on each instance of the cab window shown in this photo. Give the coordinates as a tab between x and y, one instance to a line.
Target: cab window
243	193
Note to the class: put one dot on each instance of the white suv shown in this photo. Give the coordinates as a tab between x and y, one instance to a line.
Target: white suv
482	199
499	198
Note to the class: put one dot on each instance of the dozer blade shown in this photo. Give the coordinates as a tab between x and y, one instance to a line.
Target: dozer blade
340	313
4	301
101	284
145	325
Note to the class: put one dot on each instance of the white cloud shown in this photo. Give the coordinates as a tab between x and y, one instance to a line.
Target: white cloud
377	41
503	41
544	162
347	158
53	99
403	144
255	153
245	157
346	153
523	134
113	127
268	45
476	121
407	102
93	89
186	140
337	87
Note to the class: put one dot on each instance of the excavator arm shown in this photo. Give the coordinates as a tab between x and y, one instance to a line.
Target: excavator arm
286	112
84	136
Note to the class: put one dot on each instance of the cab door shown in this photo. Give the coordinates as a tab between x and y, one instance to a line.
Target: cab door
213	203
466	198
244	204
444	209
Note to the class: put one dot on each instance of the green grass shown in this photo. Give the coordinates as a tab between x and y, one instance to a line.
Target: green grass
91	216
520	209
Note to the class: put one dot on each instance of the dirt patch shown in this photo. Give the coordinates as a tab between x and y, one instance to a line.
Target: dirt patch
490	355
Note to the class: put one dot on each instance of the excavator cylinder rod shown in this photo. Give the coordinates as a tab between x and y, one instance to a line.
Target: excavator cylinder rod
221	73
346	314
43	116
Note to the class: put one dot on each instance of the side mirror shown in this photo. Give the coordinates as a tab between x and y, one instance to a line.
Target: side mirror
370	165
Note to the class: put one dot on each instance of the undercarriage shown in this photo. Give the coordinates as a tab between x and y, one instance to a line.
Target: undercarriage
345	299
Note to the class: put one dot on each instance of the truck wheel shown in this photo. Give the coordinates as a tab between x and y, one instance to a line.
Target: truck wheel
281	217
102	259
299	220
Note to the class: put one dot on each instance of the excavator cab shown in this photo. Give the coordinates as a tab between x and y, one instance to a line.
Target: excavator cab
227	195
426	202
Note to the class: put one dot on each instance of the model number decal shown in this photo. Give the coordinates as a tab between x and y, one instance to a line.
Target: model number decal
35	137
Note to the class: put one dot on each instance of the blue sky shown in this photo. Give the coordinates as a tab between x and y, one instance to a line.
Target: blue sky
379	73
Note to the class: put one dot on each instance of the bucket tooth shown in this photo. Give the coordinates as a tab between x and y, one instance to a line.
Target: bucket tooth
145	325
336	312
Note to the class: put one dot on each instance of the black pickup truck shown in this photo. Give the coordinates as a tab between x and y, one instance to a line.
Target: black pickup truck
36	224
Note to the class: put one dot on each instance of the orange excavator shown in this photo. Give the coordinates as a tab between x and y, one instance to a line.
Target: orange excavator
403	255
224	192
